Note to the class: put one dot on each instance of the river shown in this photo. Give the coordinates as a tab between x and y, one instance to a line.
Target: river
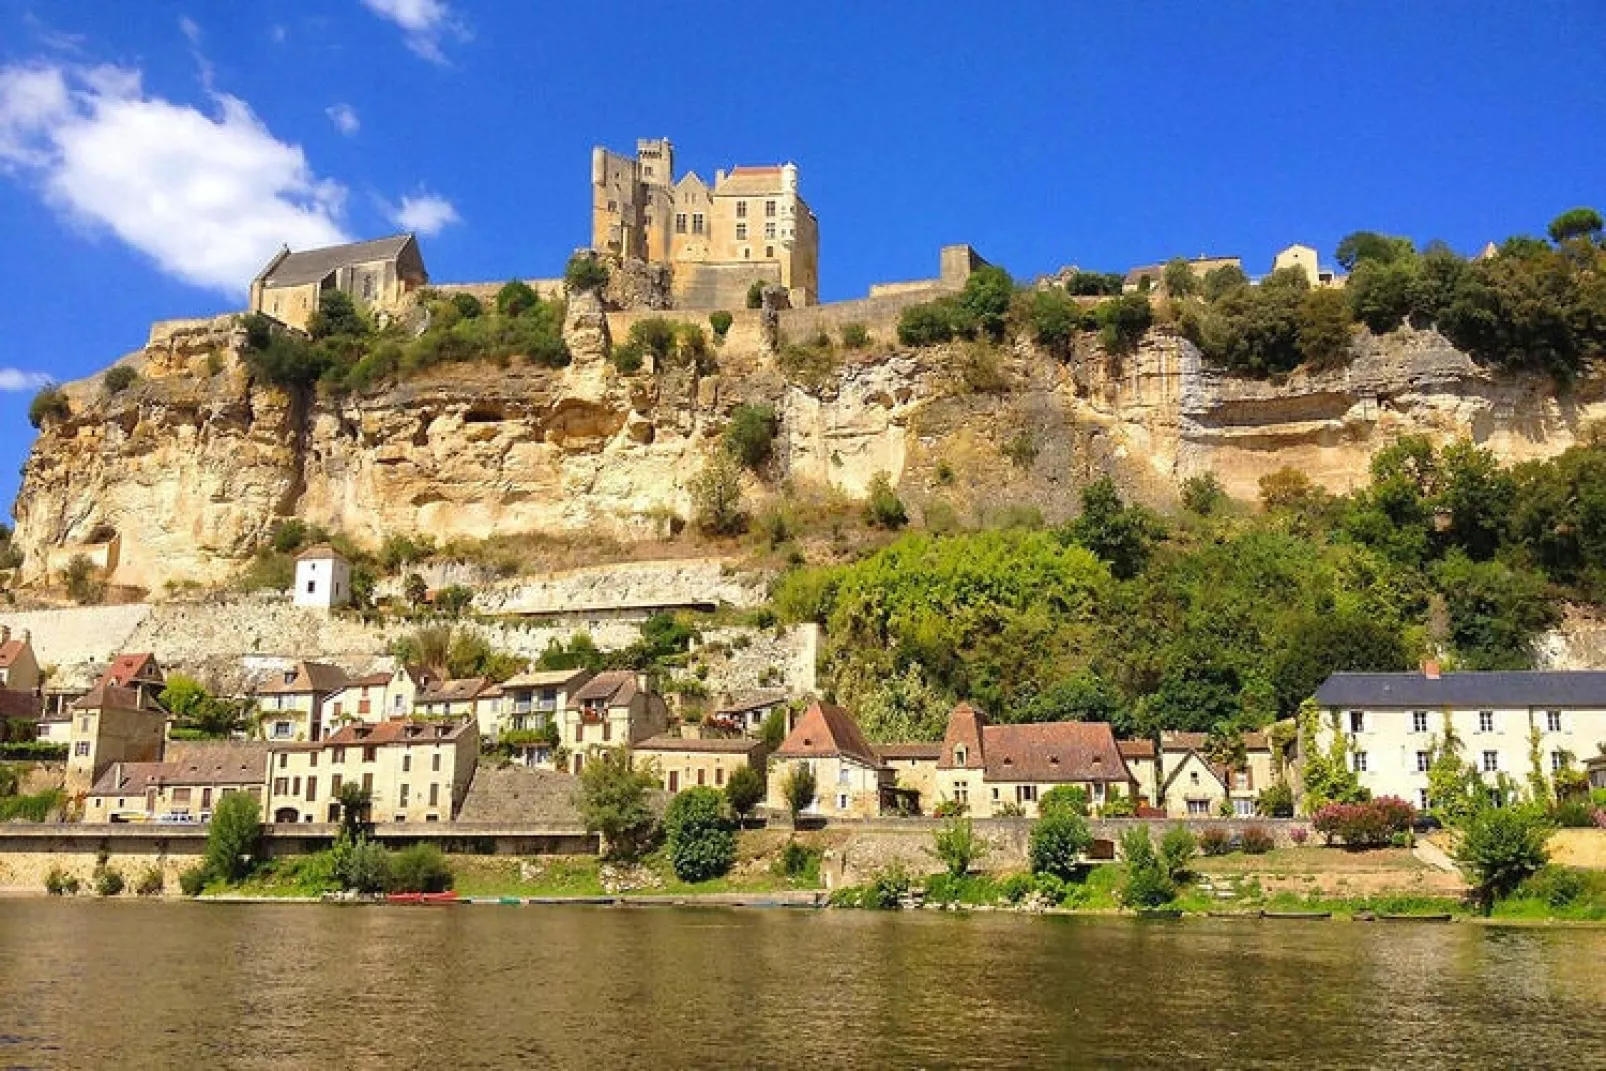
157	985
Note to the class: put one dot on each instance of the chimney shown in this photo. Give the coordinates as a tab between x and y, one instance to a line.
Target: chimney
27	635
5	633
1430	668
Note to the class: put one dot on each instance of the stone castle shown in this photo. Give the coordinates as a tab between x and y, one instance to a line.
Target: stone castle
750	226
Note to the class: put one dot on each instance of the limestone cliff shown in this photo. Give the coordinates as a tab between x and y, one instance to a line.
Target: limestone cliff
193	465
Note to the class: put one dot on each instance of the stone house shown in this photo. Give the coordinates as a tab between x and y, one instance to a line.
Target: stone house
378	275
1152	276
479	698
532	702
361	699
994	769
323	578
414	770
112	723
750	226
1304	258
850	779
746	712
19	668
293	705
186	783
914	770
615	708
1393	722
1186	781
684	762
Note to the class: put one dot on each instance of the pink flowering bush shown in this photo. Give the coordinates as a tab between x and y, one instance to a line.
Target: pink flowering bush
1299	834
1372	824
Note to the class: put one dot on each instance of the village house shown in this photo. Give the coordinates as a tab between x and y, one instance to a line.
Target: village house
112	723
414	771
361	699
1304	259
991	770
1185	780
850	779
746	712
1392	723
184	785
914	770
534	703
291	705
1152	276
19	669
469	697
377	275
323	578
612	709
685	762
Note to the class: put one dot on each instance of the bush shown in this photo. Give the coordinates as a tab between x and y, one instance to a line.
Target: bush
855	336
60	883
585	272
716	495
1072	798
958	846
1059	839
515	298
1147	884
798	788
49	404
799	862
150	882
926	324
1364	825
720	321
1122	322
83	585
755	294
231	838
1255	840
1055	319
360	864
419	868
613	801
887	889
744	790
1276	801
1215	840
1299	834
1015	888
1203	494
1500	848
883	508
468	306
1053	889
1574	814
750	435
193	882
1560	886
1177	848
701	843
118	378
108	882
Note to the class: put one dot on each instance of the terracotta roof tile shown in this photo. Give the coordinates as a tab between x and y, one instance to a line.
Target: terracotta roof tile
711	745
309	677
932	751
9	652
1136	749
616	686
743	702
131	667
23	706
397	731
825	730
456	691
1053	751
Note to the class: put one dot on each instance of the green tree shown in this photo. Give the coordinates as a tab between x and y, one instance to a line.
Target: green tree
985	299
1178	279
1147	884
1456	792
1055	318
1073	798
798	788
614	801
882	506
1324	329
1383	293
82	580
1218	282
118	378
356	806
1203	494
700	840
1178	846
773	729
1121	535
744	790
1576	223
415	589
585	271
1329	777
420	868
49	404
720	321
232	836
1319	644
1058	841
337	317
1122	322
926	324
755	294
1361	246
716	495
1081	696
189	702
957	845
750	435
1500	848
515	298
903	707
1496	610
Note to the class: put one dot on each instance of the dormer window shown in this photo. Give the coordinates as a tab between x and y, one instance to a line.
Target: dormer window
1054	760
1008	761
289	676
960	754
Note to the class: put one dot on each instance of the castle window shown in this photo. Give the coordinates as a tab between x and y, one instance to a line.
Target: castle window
613	206
741	209
769	251
680	223
769	230
769	208
647	171
697	223
741	232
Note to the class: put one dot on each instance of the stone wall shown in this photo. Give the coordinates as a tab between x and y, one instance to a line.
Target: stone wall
879	314
683	582
546	289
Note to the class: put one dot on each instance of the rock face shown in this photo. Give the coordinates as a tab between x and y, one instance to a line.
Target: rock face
194	464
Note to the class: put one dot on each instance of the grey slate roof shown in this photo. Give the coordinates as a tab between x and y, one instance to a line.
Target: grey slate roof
1552	688
311	265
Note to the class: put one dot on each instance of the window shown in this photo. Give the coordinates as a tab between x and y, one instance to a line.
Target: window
1025	793
613	206
1421	799
1491	761
697	223
960	754
842	801
340	755
312	790
312	760
281	786
1360	762
281	730
406	790
81	748
284	760
680	223
769	251
435	762
719	777
295	786
368	754
434	795
1357	721
607	730
747	253
181	795
1198	808
1419	721
407	764
1193	777
368	782
741	209
1485	721
334	785
769	230
1553	720
1558	761
1243	808
1423	761
741	232
312	586
842	775
961	791
1496	798
769	208
995	793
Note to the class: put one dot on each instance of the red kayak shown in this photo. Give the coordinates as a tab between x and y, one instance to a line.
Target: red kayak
421	898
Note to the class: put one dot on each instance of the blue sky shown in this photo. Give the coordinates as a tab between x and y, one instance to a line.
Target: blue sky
148	163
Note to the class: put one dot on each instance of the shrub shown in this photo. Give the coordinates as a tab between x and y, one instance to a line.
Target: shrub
613	801
419	868
60	883
468	306
360	864
1214	840
887	889
150	882
1364	825
1255	840
627	358
1052	888
108	882
799	862
193	882
855	336
926	324
1560	886
720	321
1021	449
49	404
798	788
1276	801
744	790
118	378
1059	839
515	298
1500	848
1015	888
1122	322
232	836
1299	834
957	845
585	272
1147	884
1177	848
750	435
1117	805
700	840
1203	494
1574	814
883	508
1072	798
716	495
83	586
1054	318
755	294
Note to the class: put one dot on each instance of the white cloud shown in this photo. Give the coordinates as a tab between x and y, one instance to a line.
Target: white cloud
191	30
15	379
344	116
426	214
424	22
207	197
